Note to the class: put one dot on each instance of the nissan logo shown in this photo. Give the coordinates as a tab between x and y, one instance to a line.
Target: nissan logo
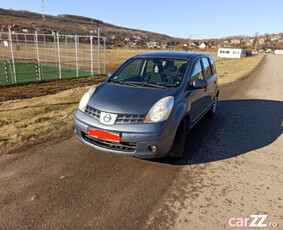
107	118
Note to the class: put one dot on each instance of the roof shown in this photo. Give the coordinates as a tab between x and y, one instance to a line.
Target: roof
173	54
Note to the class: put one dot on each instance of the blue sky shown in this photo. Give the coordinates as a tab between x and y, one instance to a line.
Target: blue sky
179	18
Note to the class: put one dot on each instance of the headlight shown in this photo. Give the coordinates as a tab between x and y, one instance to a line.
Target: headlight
161	110
85	99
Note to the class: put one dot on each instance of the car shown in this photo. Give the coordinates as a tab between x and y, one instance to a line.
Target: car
148	105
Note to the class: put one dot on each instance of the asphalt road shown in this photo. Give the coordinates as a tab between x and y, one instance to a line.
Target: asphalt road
232	168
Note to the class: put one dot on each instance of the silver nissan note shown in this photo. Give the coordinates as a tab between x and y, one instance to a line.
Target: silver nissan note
147	106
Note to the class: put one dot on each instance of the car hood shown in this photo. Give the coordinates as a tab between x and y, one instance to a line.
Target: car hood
114	98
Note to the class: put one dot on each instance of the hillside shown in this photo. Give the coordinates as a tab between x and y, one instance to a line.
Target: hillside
71	24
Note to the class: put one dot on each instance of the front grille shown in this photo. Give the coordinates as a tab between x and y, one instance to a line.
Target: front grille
121	118
112	145
92	112
129	118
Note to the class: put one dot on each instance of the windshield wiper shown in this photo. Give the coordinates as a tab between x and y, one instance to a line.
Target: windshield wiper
145	84
117	81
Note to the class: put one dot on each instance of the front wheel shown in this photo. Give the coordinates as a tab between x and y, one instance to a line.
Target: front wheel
179	141
212	112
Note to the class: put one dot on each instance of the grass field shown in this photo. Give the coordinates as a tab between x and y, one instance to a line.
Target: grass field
26	72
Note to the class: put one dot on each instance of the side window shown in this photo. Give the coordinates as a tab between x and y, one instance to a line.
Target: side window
197	72
206	66
213	67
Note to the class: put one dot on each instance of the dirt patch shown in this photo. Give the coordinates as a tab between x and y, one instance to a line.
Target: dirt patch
44	88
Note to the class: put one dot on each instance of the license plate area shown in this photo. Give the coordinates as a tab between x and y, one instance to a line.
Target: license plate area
100	134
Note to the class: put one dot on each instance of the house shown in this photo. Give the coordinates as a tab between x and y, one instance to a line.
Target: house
13	27
235	40
261	41
45	31
29	30
231	53
202	46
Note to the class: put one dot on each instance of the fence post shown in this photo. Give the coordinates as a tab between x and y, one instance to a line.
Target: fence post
2	46
37	56
66	47
55	48
91	55
104	44
12	54
59	60
18	48
76	45
44	48
26	46
98	49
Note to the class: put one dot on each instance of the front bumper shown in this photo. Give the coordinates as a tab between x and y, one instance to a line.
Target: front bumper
135	138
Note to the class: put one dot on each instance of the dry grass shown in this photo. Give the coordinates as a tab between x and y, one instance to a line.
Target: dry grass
28	121
231	70
24	122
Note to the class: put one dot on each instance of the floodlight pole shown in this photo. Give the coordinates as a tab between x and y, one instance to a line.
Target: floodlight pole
12	54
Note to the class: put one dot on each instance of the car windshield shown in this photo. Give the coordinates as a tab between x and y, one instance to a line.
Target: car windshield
151	72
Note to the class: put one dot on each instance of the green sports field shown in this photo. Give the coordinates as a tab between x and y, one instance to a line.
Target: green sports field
27	72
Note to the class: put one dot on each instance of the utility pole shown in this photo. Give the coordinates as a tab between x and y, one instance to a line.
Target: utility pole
43	14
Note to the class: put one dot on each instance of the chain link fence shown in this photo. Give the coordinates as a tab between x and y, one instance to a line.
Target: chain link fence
27	57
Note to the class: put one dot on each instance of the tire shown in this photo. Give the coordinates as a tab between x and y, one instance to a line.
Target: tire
178	148
212	112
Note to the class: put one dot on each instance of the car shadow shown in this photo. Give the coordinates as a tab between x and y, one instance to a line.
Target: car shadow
239	127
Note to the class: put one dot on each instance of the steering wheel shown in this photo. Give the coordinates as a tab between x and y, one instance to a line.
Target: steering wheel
171	79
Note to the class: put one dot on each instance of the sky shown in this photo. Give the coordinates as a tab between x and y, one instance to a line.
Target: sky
195	19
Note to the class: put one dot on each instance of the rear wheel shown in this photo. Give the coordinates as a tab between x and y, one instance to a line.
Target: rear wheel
212	112
179	141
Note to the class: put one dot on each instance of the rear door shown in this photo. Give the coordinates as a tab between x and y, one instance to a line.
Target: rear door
210	77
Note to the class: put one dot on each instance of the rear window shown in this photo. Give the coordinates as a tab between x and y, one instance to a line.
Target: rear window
206	66
213	67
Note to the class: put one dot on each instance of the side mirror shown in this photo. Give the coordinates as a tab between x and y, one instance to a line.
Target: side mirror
199	84
109	75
